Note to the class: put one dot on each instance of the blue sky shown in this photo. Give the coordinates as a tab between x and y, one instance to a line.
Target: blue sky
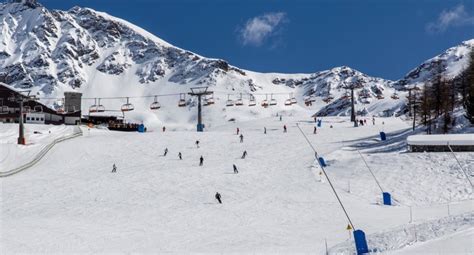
381	38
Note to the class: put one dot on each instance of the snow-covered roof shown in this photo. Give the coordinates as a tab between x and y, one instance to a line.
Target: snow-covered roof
452	139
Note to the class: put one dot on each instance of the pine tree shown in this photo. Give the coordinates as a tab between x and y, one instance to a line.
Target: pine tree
468	84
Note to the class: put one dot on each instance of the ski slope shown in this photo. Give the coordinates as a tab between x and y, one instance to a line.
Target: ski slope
278	203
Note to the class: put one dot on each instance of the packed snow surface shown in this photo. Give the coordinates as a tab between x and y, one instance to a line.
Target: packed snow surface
277	203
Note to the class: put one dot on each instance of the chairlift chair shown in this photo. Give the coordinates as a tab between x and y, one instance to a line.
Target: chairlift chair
182	100
380	96
239	101
229	102
209	100
155	105
93	108
252	101
265	101
293	100
272	100
100	108
127	107
395	96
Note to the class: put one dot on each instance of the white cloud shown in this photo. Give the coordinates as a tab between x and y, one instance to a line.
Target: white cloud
258	29
448	18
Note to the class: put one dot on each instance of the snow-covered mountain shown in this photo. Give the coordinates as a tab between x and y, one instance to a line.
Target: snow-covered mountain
52	51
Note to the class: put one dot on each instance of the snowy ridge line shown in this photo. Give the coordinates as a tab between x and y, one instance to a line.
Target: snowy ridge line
41	154
410	234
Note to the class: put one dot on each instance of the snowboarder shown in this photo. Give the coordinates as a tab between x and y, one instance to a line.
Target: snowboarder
235	169
218	197
197	143
166	152
180	156
238	130
315	130
241	138
244	154
284	128
114	169
164	128
201	161
264	130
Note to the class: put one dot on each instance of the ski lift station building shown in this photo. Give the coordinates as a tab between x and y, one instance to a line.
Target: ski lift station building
35	112
439	143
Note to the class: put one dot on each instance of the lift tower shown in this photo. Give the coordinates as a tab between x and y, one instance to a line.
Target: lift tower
199	92
20	99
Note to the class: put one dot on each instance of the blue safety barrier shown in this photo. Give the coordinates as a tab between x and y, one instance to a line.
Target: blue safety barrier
387	198
141	128
383	136
360	242
322	162
200	127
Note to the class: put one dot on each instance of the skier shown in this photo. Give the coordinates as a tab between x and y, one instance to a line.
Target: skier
201	161
238	130
244	154
280	117
114	169
235	169
361	122
315	130
197	143
241	138
365	121
180	156
284	128
164	128
373	120
166	152
218	197
264	130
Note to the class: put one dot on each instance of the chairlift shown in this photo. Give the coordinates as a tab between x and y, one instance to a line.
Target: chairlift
127	107
182	100
229	102
239	101
380	96
308	101
346	95
293	100
93	108
61	108
272	100
100	108
155	105
209	100
265	101
252	101
395	96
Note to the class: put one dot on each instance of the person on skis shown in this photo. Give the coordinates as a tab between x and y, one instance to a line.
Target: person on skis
218	197
180	156
235	169
201	161
241	138
373	120
284	128
244	154
238	130
114	169
166	152
280	117
315	130
164	128
197	143
264	130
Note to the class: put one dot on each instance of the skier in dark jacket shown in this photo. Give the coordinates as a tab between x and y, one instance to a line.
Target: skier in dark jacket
241	138
244	154
201	161
180	156
218	197
164	129
238	131
284	128
197	143
114	169
166	152
315	130
264	130
235	169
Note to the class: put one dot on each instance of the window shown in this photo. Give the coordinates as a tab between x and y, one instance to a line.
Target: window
37	119
27	118
42	119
